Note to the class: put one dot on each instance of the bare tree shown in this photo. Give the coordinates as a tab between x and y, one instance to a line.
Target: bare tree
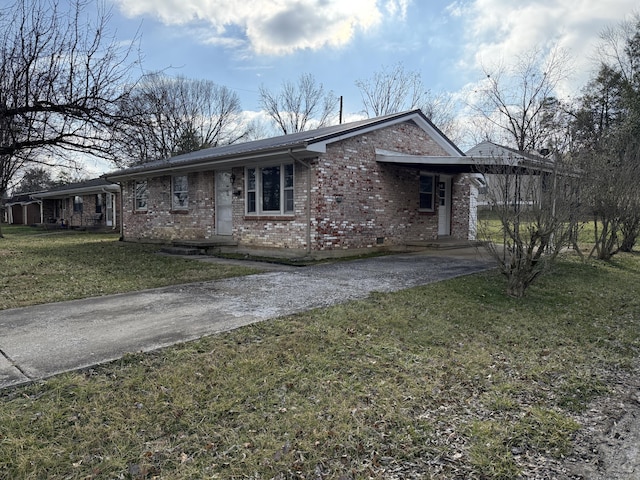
174	115
299	106
519	100
535	206
61	78
606	126
394	89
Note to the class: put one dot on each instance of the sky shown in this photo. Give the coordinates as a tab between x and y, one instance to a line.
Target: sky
244	44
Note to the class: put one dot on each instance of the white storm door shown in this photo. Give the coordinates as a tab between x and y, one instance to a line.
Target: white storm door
108	205
224	204
444	206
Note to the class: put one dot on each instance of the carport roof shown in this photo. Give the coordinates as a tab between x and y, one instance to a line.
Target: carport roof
484	157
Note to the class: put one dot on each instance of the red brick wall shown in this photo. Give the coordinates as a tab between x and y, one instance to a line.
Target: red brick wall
361	203
460	201
159	221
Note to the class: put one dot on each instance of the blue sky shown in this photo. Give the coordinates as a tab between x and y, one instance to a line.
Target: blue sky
422	36
247	43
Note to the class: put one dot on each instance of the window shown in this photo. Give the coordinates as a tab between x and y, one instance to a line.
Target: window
77	204
179	193
427	183
288	188
58	207
141	195
442	193
251	190
270	189
99	203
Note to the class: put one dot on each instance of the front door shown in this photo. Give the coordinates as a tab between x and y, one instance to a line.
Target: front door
444	206
224	207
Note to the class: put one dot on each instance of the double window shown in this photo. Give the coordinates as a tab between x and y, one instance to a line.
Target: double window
141	194
270	189
427	192
179	192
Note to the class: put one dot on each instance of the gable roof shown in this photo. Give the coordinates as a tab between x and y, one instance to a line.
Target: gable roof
298	145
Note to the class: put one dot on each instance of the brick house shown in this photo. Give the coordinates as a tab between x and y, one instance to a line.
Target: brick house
386	182
92	203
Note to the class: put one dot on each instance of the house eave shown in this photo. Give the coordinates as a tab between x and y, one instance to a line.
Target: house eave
214	163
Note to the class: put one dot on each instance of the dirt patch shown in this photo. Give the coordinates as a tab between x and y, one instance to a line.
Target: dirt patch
607	447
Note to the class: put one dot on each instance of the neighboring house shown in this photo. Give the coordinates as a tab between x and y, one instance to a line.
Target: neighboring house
498	168
22	209
92	203
386	182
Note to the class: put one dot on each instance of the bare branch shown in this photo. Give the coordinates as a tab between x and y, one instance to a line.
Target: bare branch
299	106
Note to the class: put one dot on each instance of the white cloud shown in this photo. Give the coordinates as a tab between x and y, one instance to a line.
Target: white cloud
397	8
273	27
503	29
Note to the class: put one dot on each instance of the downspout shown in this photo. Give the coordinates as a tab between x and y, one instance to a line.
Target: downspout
121	212
308	167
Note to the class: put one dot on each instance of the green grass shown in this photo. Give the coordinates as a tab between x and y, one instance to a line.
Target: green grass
40	267
454	380
490	229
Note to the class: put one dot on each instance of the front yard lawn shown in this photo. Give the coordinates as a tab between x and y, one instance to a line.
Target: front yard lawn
40	267
449	380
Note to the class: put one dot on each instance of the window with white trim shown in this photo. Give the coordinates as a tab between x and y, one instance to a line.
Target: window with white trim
427	190
141	195
179	192
269	190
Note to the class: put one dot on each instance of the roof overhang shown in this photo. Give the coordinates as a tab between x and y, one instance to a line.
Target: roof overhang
298	152
94	190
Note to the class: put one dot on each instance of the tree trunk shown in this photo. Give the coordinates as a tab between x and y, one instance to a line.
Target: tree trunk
516	286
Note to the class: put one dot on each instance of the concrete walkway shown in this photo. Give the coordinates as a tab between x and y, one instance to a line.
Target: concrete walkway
44	340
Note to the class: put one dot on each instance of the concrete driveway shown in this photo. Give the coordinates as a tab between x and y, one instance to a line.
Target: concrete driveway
41	341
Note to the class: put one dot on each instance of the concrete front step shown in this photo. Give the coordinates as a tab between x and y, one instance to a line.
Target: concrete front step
448	244
181	251
217	241
199	247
